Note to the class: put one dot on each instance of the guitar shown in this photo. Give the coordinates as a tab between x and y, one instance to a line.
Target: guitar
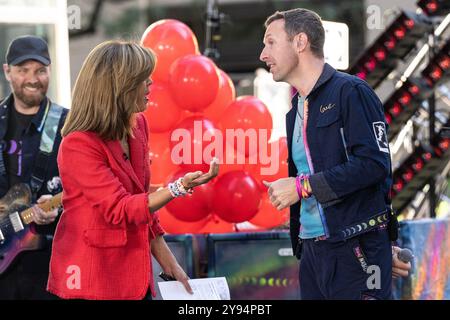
15	218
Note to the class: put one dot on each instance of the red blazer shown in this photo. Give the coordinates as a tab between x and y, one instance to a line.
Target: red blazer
101	248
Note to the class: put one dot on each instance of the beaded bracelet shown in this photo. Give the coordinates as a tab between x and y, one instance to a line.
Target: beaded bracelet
177	189
298	186
306	185
182	188
173	190
302	186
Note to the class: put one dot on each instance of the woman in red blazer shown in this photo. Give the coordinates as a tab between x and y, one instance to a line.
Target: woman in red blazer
110	227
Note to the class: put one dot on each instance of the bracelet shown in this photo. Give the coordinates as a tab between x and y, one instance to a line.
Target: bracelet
177	189
302	184
172	189
183	188
298	186
306	185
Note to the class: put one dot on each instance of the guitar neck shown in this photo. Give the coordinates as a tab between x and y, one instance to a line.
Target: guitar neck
55	202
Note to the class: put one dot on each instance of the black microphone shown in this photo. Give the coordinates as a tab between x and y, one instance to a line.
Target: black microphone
405	255
166	277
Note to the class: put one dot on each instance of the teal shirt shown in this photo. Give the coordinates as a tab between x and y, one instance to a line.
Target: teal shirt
311	222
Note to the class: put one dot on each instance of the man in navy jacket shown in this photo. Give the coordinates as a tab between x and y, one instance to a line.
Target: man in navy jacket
340	172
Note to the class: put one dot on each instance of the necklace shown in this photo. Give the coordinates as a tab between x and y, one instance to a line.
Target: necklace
300	119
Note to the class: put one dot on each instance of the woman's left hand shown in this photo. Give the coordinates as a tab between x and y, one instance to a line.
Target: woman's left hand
193	179
178	273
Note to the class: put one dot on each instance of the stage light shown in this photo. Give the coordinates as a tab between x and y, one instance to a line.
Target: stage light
438	70
398	185
380	54
417	164
396	109
435	7
413	89
394	44
388	118
416	171
408	175
403	103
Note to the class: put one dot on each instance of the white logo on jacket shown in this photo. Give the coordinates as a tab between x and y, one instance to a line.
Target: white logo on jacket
379	129
324	108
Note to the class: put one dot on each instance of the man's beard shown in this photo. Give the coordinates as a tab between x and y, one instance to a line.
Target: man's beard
30	100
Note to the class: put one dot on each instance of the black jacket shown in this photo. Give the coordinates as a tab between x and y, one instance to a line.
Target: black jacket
348	150
30	148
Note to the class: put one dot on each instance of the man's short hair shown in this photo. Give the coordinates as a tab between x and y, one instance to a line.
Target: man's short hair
302	20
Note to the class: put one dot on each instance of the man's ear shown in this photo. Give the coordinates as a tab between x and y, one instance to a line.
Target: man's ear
6	71
301	41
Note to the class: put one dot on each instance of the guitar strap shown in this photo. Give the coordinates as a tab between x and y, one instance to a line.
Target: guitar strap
2	144
49	129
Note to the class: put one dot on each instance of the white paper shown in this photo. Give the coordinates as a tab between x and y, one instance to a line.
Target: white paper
204	289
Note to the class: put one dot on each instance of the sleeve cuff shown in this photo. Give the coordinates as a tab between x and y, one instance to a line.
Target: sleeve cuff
137	209
155	226
321	189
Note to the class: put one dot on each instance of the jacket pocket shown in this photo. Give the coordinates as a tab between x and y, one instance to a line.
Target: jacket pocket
105	238
328	118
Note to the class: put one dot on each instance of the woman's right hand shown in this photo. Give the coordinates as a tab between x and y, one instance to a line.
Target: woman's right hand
193	179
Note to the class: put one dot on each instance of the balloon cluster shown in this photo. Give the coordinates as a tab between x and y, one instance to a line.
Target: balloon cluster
190	93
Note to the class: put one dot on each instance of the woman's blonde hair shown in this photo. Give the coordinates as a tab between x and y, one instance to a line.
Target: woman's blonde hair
105	95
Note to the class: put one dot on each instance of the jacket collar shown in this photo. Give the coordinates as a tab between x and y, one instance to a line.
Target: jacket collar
7	103
327	73
38	117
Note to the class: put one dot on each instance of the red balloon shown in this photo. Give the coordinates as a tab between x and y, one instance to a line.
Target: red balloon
161	165
187	114
245	113
268	216
234	165
162	112
280	166
225	96
236	197
172	225
191	141
158	142
191	207
170	40
216	225
194	82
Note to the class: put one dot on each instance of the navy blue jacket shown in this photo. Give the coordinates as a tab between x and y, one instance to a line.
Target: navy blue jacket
346	135
30	148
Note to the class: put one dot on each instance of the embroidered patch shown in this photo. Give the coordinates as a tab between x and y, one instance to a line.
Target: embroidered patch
361	258
326	107
379	129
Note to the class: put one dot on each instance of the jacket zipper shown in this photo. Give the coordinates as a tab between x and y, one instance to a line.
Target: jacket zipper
308	157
